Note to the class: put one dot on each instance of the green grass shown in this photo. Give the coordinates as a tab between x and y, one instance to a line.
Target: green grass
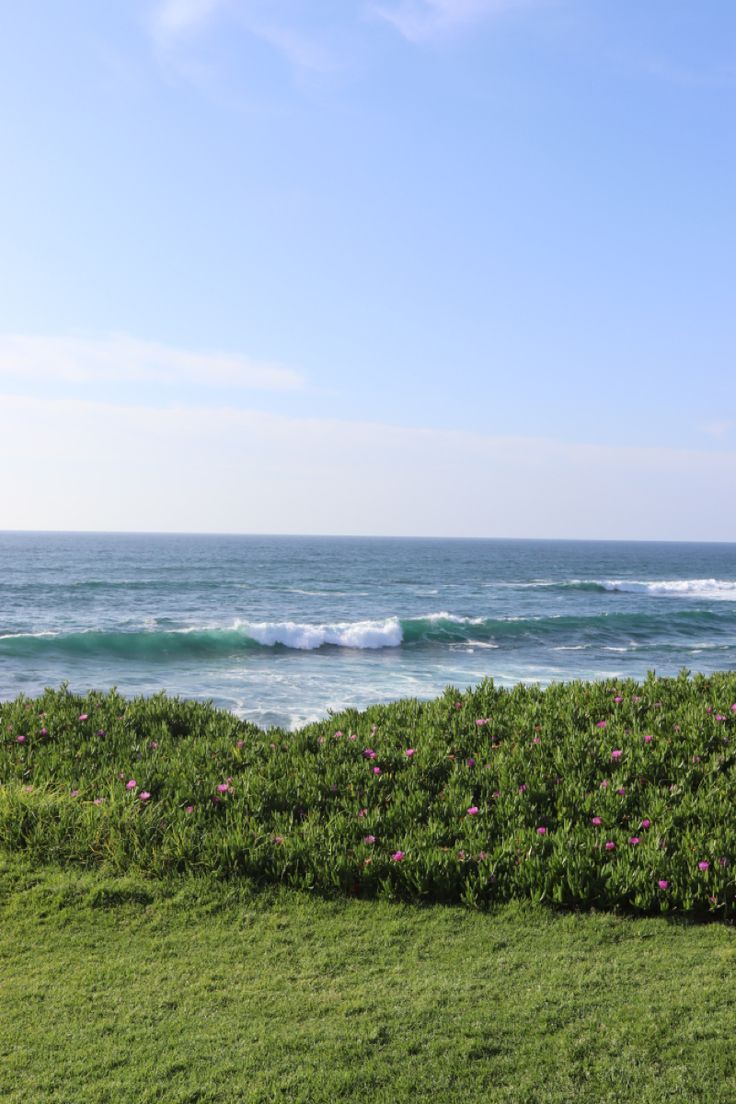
185	990
612	795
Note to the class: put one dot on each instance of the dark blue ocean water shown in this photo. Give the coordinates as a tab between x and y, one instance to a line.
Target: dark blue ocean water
282	629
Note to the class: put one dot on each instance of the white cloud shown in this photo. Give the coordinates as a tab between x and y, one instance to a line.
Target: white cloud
120	358
419	20
175	17
75	464
172	21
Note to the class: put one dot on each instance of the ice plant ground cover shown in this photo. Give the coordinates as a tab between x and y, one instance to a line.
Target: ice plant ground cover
605	795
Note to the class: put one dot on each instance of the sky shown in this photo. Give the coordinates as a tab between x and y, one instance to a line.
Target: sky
391	267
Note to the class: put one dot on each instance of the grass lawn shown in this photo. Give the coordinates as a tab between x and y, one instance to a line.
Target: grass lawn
128	989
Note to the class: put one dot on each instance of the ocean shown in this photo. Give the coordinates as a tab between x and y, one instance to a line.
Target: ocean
283	630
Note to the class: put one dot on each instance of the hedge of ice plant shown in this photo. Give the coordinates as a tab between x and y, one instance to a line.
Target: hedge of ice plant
610	795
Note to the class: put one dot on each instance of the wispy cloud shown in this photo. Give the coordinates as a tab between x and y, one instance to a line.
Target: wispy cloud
421	20
172	18
121	358
174	23
83	464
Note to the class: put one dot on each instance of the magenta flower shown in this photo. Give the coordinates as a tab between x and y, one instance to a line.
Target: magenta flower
409	752
397	856
369	753
621	791
470	762
663	883
703	865
338	734
84	716
610	845
541	831
131	785
618	699
144	795
646	823
596	822
43	732
482	721
369	839
223	787
616	753
473	810
189	809
600	724
523	787
633	840
20	739
376	770
648	738
536	740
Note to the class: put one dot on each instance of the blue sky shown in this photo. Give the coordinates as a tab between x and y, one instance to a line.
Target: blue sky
413	266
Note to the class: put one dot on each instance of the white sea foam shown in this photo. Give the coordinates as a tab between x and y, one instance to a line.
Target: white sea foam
452	617
343	634
720	589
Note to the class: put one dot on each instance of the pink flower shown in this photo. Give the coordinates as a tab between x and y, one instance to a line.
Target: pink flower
369	753
189	809
621	791
541	831
482	720
362	812
610	845
144	795
461	854
376	770
152	745
618	699
223	787
397	856
616	753
43	732
473	810
633	840
240	744
409	752
338	734
278	840
74	793
596	822
353	736
523	787
369	839
646	823
482	855
131	785
648	738
703	865
663	883
470	762
605	784
98	801
600	724
20	739
84	716
536	740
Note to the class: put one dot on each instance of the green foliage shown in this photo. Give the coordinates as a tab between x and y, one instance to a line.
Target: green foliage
481	797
